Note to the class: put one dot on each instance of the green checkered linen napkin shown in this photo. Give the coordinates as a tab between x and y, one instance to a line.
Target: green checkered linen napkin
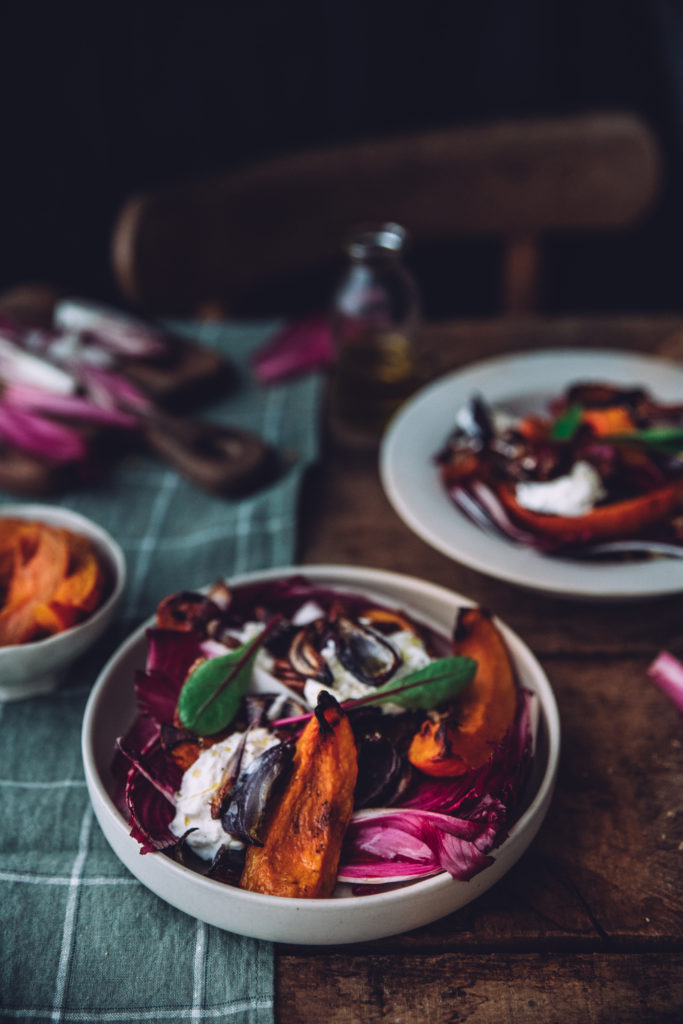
80	938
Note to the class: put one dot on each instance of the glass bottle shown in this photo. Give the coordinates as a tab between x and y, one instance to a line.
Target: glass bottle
374	321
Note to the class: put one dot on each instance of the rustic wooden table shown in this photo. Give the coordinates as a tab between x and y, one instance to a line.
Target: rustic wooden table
588	926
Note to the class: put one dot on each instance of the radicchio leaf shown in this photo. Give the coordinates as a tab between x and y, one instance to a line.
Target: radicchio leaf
172	652
149	807
170	655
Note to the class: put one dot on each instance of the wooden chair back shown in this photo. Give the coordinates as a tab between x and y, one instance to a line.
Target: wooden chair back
191	246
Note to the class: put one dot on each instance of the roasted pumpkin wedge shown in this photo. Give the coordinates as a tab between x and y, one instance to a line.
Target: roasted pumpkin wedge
463	736
621	519
306	821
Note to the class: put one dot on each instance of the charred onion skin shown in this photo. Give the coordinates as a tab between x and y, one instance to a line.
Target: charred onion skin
304	653
306	822
463	737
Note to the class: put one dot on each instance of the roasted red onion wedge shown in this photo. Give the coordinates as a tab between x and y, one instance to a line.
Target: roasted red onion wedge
245	805
363	652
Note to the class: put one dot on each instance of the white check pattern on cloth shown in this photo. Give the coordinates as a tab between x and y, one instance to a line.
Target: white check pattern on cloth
81	940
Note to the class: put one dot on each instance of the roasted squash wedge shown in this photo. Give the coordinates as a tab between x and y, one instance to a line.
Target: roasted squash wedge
464	735
621	519
306	822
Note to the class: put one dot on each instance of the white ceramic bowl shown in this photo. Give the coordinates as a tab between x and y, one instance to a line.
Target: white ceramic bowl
111	708
31	669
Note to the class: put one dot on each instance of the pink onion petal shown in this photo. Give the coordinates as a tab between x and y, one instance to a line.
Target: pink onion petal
132	342
119	332
393	845
111	390
41	437
31	398
297	348
19	365
213	648
667	672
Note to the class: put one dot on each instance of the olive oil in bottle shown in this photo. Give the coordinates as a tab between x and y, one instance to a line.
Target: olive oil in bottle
375	317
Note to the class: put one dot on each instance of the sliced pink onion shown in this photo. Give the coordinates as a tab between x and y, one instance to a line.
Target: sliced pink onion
125	335
395	845
667	672
213	648
111	390
297	348
494	508
41	437
19	366
35	399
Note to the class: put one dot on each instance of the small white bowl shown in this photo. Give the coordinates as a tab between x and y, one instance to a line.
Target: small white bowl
38	667
111	709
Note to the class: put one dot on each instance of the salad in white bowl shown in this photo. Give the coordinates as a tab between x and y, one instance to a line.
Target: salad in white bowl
293	736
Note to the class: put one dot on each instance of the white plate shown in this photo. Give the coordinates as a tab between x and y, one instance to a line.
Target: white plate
111	708
519	382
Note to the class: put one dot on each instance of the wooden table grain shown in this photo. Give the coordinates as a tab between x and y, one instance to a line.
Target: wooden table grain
588	925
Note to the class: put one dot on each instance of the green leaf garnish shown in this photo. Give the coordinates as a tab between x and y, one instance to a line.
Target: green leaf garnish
667	439
435	684
211	695
567	423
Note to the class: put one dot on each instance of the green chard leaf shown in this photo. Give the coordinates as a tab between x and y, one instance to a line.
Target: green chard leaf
567	423
440	681
666	439
211	695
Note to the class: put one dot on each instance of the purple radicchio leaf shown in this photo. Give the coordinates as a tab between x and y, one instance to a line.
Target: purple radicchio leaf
152	778
141	736
172	651
286	595
157	695
502	777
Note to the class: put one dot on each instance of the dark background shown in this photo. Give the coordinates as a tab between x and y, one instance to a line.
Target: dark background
101	101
